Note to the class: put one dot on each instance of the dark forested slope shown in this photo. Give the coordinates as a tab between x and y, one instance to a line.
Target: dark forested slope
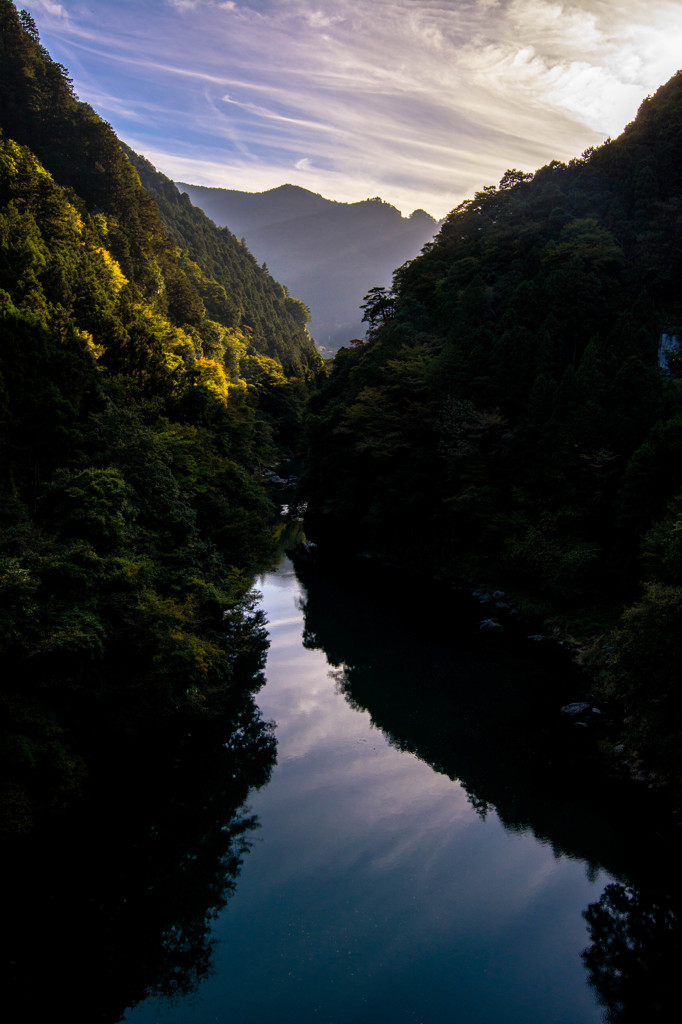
507	421
149	371
327	252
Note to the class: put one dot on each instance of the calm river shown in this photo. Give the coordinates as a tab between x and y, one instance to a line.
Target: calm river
419	857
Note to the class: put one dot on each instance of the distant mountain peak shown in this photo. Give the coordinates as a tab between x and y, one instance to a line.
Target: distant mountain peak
288	187
328	253
422	217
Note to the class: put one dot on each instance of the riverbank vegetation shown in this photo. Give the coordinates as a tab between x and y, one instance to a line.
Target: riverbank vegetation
508	423
512	420
150	372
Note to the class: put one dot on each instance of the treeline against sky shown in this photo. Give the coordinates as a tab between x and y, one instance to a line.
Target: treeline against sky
506	423
149	371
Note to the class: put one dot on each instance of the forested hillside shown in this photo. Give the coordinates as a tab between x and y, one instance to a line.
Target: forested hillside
329	253
275	320
506	423
149	372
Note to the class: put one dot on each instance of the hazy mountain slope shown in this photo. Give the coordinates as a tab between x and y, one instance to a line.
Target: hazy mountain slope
327	253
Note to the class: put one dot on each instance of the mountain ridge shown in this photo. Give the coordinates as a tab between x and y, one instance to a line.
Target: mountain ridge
327	252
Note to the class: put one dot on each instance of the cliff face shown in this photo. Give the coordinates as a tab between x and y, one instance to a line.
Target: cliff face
329	254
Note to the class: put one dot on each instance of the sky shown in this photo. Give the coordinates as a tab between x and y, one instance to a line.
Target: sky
421	102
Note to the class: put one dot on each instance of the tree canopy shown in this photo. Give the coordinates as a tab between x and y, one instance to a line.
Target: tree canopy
149	373
506	422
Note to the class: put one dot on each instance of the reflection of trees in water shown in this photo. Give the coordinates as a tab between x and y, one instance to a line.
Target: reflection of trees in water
116	902
289	531
636	954
481	712
489	719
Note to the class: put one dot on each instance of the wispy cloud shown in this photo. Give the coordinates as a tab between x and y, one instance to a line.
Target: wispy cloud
56	10
420	101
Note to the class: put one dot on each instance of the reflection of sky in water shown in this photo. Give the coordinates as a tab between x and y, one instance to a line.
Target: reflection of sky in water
373	891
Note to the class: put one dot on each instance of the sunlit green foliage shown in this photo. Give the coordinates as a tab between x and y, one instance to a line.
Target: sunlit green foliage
149	372
221	276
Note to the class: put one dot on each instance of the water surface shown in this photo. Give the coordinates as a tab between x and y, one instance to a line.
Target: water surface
378	888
